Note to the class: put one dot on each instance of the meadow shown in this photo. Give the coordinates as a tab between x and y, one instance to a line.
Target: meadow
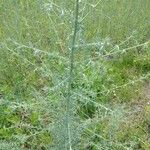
74	75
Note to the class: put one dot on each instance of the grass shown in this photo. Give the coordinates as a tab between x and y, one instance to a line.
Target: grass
105	80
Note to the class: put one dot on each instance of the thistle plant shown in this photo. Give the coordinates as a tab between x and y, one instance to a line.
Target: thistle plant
74	74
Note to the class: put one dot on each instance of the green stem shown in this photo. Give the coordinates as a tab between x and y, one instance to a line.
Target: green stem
68	106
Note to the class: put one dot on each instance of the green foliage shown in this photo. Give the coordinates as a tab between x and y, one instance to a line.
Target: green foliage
111	65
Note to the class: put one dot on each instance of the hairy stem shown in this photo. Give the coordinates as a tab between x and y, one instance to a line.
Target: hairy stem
68	106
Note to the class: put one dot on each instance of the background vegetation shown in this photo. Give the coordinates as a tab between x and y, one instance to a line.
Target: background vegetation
110	92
